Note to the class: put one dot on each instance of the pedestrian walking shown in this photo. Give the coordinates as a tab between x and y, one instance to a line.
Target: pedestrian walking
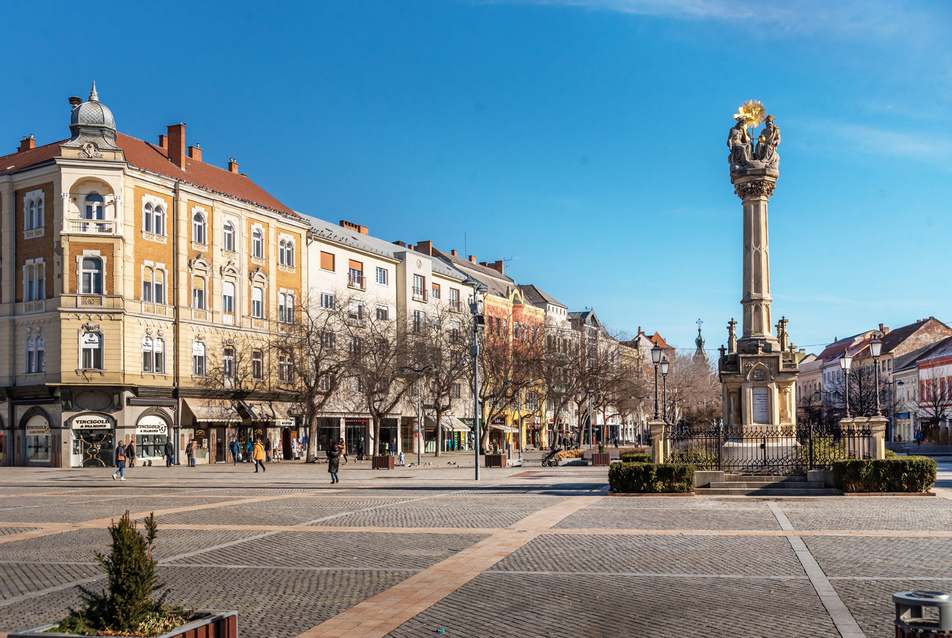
120	463
360	450
267	449
258	452
343	450
233	448
169	451
131	453
249	451
333	461
190	452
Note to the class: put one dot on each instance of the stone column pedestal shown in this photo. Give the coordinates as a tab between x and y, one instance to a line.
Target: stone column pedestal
877	432
659	444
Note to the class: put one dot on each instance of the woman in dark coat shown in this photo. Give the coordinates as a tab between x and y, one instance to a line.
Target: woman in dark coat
333	461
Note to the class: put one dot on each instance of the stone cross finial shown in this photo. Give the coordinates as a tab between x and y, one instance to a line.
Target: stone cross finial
731	336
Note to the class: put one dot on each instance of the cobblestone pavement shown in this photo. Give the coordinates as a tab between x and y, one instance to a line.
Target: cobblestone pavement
524	551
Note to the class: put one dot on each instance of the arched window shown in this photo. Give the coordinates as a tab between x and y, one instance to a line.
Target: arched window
257	303
35	355
198	228
198	292
257	243
282	307
148	218
158	356
228	298
91	276
198	359
31	215
94	207
147	288
160	220
286	253
228	237
159	286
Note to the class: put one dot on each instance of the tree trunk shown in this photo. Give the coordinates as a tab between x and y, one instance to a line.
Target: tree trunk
439	433
311	434
376	441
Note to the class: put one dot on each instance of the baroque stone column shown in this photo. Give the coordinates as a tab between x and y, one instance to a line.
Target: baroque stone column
754	187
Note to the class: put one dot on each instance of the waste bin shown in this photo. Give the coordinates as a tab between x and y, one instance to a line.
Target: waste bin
910	617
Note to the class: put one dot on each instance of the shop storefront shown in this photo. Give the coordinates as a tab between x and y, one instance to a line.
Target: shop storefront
39	441
92	440
152	432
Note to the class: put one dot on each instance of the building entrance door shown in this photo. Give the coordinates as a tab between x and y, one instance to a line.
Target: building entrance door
95	447
286	444
220	445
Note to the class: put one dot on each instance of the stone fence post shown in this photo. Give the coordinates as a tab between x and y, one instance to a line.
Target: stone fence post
658	441
877	430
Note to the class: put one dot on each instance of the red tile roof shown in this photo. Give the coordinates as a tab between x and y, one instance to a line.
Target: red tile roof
659	341
152	158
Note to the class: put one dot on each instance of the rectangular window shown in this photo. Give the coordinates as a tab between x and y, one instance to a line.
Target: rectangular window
355	275
257	364
383	312
228	298
328	340
257	303
198	293
158	356
454	299
198	360
435	291
356	311
91	344
327	261
419	288
228	363
457	391
382	276
327	300
419	320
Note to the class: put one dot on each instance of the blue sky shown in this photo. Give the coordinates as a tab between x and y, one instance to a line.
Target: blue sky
583	141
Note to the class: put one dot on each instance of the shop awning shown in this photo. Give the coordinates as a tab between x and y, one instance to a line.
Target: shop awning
504	428
273	411
212	410
453	424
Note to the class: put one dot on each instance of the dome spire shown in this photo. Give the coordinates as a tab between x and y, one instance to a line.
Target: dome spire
93	96
699	354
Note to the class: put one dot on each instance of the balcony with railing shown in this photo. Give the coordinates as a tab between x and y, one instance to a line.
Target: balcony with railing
419	293
455	305
356	279
91	226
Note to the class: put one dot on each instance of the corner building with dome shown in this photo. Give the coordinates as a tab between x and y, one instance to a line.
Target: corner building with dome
128	271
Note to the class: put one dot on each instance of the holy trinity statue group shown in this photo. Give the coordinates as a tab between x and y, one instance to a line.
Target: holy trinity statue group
743	155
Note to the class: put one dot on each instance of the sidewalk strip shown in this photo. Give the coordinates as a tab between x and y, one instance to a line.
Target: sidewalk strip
381	614
839	613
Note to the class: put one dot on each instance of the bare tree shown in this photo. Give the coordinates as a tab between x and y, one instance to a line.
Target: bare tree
693	390
441	342
935	406
560	382
376	353
862	392
310	361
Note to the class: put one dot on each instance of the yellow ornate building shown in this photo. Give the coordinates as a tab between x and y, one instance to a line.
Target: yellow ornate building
138	286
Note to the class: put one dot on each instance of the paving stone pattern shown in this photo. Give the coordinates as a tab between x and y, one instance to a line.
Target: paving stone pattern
648	567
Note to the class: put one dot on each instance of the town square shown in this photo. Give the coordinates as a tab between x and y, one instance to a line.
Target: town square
476	318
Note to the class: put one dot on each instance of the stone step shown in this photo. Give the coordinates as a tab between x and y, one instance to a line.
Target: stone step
777	491
769	485
743	478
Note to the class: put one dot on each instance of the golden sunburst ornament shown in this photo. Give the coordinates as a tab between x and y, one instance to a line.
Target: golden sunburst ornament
752	112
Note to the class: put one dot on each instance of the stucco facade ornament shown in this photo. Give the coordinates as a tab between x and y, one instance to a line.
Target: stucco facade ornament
758	188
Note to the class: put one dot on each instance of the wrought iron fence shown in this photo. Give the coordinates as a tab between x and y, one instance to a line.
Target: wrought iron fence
778	449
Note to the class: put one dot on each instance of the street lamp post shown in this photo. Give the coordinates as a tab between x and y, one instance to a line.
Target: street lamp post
664	385
875	349
656	359
845	363
419	429
474	353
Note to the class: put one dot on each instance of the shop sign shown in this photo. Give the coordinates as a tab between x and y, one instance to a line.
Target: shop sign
38	430
91	422
198	348
201	433
286	424
902	415
259	432
90	339
151	425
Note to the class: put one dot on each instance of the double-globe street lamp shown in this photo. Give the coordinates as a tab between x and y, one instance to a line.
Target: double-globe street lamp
419	403
478	319
664	386
656	359
876	349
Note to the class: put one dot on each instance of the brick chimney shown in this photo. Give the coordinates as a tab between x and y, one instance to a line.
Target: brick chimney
425	247
357	228
472	258
453	252
232	165
163	141
195	152
27	144
177	144
499	265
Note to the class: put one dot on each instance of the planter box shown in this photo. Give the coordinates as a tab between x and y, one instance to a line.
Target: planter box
215	624
496	460
601	458
382	462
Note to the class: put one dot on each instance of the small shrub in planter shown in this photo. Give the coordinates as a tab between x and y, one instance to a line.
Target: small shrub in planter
903	474
127	608
636	457
647	478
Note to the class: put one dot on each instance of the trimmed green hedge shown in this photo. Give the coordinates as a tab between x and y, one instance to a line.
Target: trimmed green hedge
903	474
647	478
636	457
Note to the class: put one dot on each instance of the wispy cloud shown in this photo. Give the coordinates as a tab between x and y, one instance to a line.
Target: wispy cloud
923	146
